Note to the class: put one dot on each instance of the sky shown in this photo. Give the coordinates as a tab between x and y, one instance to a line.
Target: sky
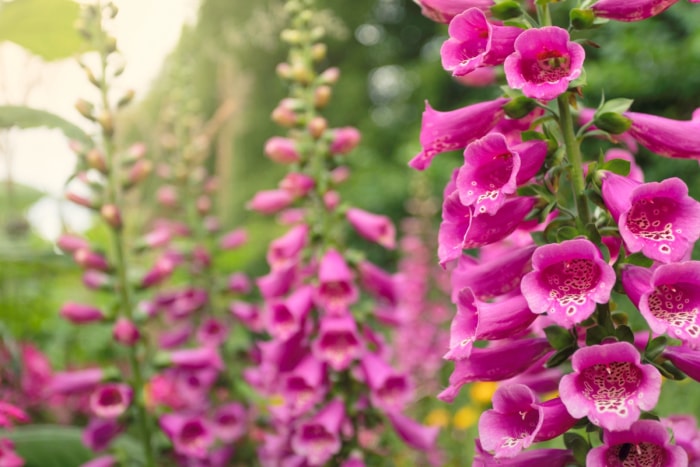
146	31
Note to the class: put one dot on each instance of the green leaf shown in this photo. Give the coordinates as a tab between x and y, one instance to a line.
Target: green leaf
655	347
578	445
618	166
617	106
559	337
26	117
560	357
44	27
624	333
639	259
595	335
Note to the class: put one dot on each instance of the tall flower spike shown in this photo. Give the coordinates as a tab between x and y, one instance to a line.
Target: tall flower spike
567	281
659	219
545	61
610	385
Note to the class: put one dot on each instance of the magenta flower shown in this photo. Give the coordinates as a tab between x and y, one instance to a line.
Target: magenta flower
191	435
645	442
230	422
99	433
659	219
544	62
336	290
477	320
686	435
630	10
501	360
318	439
338	342
685	359
390	390
475	42
373	227
492	170
610	385
270	201
442	11
304	386
233	239
461	228
533	458
667	137
78	313
282	150
277	282
8	456
567	281
125	332
285	318
102	461
344	140
668	297
110	400
446	131
196	358
519	419
69	382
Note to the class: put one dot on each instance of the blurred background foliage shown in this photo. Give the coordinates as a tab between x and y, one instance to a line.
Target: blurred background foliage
389	59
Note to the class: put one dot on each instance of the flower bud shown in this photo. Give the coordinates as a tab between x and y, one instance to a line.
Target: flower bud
233	239
141	169
506	10
167	196
90	260
330	76
519	107
78	313
344	140
331	199
80	200
110	213
318	51
373	227
317	126
125	332
70	243
238	282
136	151
297	184
203	204
322	95
270	201
96	160
340	174
126	98
282	150
106	122
581	19
85	108
96	280
612	122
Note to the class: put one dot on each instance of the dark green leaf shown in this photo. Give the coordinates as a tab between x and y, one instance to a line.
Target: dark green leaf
560	357
624	333
26	117
595	335
618	166
559	337
639	259
655	347
617	106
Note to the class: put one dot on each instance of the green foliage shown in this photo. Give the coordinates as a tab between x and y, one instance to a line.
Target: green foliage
44	27
24	117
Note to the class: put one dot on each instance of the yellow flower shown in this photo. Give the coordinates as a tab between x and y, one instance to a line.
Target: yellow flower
465	417
438	417
482	392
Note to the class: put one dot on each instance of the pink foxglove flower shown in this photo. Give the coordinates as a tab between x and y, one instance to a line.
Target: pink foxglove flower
338	342
318	439
282	150
212	332
610	385
125	332
685	359
304	386
196	358
668	297
659	219
532	458
646	442
665	136
492	170
390	390
336	290
78	313
69	382
285	318
684	429
8	456
545	61
519	419
475	42
285	250
344	140
192	436
630	10
567	281
233	239
99	433
442	11
230	422
277	282
110	400
297	184
477	320
447	131
373	227
270	201
500	361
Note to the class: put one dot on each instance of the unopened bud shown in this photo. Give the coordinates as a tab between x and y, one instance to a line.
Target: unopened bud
344	140
91	77
80	200
297	184
71	243
212	224
106	122
330	76
581	19
301	73
331	200
322	95
90	260
282	150
110	213
291	36
97	280
203	204
612	122
167	196
77	313
141	169
317	126
318	51
284	116
506	10
96	160
519	107
284	70
110	44
85	108
126	98
125	332
340	174
136	151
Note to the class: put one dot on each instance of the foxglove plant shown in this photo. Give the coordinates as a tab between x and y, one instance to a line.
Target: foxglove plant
538	295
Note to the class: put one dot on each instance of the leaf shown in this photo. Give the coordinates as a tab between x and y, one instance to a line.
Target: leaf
618	166
44	27
617	106
559	337
26	117
638	259
655	347
560	357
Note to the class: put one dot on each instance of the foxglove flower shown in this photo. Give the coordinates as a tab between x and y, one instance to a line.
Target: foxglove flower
285	318
233	239
461	228
492	170
338	342
610	385
229	422
476	320
665	136
668	297
447	131
533	458
318	439
685	433
442	11
336	290
110	400
657	218
125	332
373	227
191	435
519	419
282	150
630	10
685	359
475	42
270	201
389	389
70	382
646	442
344	140
196	358
567	281
78	313
544	62
497	362
99	433
304	386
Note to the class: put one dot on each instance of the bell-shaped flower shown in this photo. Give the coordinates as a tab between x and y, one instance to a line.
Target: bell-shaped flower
212	332
519	419
610	385
373	227
659	219
492	170
477	320
338	342
668	297
78	313
497	362
277	282
99	433
286	317
492	277
196	358
336	290
318	439
191	435
533	458
645	442
447	131
461	228
230	422
71	382
684	429
110	400
567	281
390	390
413	433
685	359
304	386
665	136
285	250
545	61
378	282
442	11
475	42
630	10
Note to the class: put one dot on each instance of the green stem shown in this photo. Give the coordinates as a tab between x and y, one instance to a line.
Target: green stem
573	152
